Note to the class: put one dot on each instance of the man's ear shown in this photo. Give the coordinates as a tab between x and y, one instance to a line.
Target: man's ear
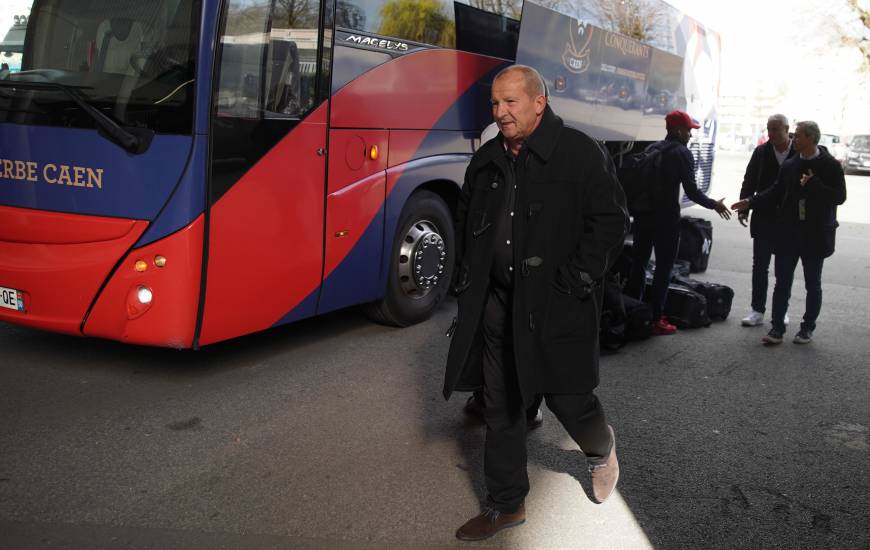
540	104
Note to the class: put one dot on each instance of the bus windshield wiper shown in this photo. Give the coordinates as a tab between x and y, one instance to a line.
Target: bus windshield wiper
112	129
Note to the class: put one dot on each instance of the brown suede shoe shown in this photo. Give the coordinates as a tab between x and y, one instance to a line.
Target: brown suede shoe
490	522
605	476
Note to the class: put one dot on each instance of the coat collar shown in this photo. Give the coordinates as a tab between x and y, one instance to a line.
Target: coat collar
542	142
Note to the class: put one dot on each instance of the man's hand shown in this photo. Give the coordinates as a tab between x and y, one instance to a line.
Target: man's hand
806	177
743	217
740	206
722	210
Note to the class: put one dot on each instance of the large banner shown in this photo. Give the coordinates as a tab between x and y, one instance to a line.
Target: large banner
614	87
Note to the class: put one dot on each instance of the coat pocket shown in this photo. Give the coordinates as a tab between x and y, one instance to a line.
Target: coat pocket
480	224
568	316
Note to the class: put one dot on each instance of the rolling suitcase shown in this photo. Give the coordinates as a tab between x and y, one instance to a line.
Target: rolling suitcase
719	297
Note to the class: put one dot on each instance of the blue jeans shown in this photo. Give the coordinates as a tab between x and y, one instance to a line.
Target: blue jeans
762	250
784	266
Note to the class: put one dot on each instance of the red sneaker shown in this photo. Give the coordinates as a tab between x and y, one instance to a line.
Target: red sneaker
663	327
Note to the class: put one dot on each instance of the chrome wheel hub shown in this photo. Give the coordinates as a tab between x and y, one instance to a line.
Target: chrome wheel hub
422	258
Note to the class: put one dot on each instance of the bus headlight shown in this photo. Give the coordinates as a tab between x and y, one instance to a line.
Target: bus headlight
139	301
144	294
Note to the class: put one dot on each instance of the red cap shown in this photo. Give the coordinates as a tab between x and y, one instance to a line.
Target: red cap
680	119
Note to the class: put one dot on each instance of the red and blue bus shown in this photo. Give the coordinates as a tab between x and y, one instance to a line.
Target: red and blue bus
181	172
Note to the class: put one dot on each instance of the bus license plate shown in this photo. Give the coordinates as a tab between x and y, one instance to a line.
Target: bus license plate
11	298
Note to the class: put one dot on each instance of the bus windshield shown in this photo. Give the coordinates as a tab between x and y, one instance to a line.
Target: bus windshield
132	60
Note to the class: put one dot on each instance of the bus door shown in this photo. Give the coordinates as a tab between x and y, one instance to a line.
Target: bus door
354	217
268	166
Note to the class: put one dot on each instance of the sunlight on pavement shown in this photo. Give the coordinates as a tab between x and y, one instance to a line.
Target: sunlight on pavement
560	515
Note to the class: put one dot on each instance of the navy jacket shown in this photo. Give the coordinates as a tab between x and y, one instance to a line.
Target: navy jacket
678	167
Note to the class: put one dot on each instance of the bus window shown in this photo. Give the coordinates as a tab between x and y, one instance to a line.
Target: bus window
134	61
12	40
485	32
268	60
423	21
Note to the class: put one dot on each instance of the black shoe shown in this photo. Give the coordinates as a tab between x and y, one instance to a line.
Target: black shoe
490	522
773	337
534	420
803	336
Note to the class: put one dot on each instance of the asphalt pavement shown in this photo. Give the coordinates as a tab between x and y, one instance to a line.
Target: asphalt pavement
332	433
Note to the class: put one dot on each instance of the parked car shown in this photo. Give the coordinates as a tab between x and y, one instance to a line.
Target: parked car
858	154
835	146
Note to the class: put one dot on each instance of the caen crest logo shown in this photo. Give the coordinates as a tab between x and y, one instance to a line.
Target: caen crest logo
575	59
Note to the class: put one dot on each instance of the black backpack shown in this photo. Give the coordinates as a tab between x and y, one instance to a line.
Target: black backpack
639	175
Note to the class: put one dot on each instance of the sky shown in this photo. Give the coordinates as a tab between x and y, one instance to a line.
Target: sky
770	45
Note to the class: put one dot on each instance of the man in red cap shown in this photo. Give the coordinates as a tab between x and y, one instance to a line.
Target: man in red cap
659	228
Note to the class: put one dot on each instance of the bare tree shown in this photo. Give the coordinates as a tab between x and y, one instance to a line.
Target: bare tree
295	13
637	19
508	8
858	33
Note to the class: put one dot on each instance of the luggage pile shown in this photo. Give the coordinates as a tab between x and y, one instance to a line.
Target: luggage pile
691	303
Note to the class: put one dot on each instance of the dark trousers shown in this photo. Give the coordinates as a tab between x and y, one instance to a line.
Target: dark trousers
784	266
663	236
504	460
762	250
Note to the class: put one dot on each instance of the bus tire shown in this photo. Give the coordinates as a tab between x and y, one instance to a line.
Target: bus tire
421	263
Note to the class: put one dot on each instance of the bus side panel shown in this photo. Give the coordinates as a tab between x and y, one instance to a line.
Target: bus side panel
408	145
413	92
59	261
354	244
437	120
170	318
265	251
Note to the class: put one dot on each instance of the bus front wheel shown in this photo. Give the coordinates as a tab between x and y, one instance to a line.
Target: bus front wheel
421	262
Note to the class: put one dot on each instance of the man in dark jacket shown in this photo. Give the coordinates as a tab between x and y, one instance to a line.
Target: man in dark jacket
760	175
806	194
540	218
659	229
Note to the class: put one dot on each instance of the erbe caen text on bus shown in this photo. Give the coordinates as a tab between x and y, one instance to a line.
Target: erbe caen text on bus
58	174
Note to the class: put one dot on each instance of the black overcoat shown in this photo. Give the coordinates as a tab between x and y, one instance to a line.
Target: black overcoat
570	221
760	175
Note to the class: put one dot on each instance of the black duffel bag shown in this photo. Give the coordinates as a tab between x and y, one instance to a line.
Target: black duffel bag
696	242
686	308
719	297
